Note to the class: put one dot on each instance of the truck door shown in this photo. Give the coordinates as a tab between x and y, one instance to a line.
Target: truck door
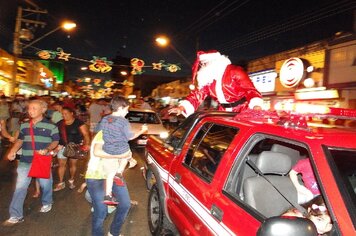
192	185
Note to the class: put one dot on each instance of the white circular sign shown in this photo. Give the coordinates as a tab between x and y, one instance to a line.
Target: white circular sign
292	72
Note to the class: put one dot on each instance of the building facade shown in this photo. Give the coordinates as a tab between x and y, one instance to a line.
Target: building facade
308	79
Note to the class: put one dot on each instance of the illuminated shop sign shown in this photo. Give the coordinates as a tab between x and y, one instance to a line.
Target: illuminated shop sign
322	94
264	81
292	71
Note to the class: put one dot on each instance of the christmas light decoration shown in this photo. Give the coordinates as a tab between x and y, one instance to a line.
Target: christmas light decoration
100	64
109	84
62	55
137	65
97	82
47	54
157	66
172	67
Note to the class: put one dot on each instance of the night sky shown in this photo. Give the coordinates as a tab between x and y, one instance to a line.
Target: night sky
243	30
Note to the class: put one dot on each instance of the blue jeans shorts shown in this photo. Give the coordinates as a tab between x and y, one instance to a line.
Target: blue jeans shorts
60	154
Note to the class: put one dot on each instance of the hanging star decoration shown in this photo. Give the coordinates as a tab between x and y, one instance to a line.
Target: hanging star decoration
157	66
167	66
100	64
62	55
48	54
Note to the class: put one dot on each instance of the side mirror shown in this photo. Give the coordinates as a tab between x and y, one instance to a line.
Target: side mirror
291	226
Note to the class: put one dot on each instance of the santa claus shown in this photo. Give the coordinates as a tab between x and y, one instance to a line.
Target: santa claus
228	84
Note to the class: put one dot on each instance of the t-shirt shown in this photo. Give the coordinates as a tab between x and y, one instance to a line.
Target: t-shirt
44	131
56	117
95	112
73	132
116	134
95	167
304	167
4	111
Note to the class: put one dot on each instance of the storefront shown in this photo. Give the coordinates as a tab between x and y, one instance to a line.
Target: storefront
302	77
265	83
32	77
296	84
6	70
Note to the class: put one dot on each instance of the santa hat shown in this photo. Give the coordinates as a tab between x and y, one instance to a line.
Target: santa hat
203	57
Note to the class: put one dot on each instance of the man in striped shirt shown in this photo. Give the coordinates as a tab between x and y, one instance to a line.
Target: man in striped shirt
46	138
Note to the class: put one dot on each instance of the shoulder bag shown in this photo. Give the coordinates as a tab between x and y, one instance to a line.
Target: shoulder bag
71	149
41	164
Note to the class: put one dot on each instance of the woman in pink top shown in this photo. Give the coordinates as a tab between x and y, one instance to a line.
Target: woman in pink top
310	188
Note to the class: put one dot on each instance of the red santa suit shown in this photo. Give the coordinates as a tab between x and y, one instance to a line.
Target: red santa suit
228	84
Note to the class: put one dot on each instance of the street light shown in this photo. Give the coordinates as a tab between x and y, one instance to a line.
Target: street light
65	26
164	41
17	44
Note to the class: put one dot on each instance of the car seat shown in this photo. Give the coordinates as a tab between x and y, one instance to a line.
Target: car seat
261	195
292	153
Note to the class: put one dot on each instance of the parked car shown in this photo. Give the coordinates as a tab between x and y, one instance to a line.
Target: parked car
139	117
243	188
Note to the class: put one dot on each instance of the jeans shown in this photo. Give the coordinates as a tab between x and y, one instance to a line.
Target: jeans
22	183
96	189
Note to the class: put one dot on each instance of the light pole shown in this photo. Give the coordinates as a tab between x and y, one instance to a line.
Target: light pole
66	26
164	41
17	50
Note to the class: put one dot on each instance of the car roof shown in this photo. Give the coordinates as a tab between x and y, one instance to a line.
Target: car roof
141	110
271	123
294	127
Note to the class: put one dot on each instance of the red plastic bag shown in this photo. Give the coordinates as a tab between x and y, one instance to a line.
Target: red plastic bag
41	166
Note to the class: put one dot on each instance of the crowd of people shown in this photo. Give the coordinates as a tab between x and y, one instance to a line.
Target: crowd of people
98	125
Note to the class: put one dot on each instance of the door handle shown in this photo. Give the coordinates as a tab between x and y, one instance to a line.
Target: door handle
177	177
216	212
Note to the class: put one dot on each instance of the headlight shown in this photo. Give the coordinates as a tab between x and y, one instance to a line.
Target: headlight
163	135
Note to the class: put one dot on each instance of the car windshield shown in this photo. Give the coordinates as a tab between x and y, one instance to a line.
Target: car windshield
143	117
345	173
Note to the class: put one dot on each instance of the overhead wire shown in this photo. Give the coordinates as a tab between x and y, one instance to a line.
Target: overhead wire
270	28
228	13
292	23
203	22
199	19
273	27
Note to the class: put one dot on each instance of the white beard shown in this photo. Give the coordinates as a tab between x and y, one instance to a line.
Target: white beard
212	70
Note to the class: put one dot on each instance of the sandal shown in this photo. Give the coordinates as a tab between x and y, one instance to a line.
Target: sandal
82	187
134	203
59	187
71	184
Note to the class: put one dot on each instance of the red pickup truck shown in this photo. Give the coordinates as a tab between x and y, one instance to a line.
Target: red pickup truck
222	173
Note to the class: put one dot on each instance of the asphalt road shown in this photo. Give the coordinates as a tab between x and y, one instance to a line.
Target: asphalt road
70	215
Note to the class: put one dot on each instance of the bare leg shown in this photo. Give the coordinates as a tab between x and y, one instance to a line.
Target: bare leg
72	171
61	169
72	168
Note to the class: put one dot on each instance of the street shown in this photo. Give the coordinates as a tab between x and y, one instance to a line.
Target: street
70	214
